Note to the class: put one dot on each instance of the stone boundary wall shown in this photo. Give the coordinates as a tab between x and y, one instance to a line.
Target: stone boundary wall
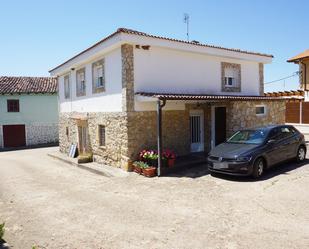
39	133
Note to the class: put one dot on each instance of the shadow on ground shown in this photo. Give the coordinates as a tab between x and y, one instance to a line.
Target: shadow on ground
191	172
280	169
202	170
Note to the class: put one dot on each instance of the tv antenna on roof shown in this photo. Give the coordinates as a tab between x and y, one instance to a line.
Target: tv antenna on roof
186	18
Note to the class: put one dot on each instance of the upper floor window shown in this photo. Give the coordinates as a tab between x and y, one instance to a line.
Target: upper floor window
98	79
231	77
13	105
80	82
67	86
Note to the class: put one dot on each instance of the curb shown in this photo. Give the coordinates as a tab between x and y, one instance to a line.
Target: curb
81	166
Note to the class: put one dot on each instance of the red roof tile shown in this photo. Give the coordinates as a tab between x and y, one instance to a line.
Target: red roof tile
12	84
180	96
134	32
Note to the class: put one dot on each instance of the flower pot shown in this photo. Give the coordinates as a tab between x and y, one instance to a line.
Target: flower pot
149	172
137	170
171	162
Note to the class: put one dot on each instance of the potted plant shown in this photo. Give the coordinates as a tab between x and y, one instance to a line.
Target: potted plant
138	166
149	171
170	156
149	156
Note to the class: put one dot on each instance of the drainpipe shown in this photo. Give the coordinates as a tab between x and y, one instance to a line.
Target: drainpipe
159	133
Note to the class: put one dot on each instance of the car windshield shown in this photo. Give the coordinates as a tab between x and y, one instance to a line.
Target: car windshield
248	137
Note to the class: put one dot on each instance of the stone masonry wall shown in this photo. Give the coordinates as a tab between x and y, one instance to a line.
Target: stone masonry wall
261	78
114	152
175	130
38	133
241	114
142	131
127	60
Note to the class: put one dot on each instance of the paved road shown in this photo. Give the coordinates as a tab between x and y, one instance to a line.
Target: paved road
50	204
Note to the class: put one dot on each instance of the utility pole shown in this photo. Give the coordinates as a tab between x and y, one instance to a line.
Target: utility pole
186	20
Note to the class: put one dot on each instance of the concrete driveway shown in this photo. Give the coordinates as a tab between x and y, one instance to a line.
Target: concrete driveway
50	204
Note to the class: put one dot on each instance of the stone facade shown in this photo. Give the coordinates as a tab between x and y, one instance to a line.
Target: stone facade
38	133
241	114
237	87
127	133
114	152
261	78
127	77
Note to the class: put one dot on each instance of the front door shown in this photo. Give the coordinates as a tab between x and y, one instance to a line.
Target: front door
14	135
220	125
197	130
82	139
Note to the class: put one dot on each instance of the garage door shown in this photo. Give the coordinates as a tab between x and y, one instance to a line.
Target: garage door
14	135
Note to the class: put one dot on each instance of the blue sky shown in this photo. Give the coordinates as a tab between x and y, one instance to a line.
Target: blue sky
38	35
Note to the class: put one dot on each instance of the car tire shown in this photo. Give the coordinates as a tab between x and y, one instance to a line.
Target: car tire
301	154
258	168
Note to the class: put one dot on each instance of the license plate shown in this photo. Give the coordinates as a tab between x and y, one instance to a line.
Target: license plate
220	166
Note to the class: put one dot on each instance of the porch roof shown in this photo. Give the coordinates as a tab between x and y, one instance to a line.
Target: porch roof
188	96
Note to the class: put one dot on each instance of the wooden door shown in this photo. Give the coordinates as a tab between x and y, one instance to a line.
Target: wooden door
14	136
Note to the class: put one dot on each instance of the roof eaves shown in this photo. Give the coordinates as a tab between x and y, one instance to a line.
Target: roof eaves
134	32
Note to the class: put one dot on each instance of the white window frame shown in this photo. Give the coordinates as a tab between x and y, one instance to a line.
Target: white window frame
67	86
261	114
97	73
81	84
226	81
99	69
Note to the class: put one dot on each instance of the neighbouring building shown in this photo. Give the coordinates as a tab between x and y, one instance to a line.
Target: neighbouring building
302	60
28	111
133	90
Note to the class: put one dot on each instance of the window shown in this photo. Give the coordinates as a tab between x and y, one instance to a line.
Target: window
260	110
231	77
13	105
67	131
229	81
98	81
67	86
80	82
102	135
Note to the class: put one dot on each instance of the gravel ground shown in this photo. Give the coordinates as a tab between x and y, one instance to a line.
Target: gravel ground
50	204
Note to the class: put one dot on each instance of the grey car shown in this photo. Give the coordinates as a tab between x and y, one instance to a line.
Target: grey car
252	151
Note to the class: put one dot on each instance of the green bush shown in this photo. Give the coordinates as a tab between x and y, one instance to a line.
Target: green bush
2	230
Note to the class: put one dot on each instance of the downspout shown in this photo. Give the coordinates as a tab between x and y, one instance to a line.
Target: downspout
159	133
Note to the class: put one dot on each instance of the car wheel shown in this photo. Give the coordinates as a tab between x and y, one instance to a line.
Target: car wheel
258	168
301	154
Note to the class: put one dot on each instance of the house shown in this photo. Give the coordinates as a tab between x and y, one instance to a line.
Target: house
133	90
302	60
28	111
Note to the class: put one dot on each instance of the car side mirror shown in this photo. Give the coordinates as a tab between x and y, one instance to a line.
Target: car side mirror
271	141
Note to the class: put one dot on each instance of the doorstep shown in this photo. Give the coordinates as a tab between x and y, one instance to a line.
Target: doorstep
100	169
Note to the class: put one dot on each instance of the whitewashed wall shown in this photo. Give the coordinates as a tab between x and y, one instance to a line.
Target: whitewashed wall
172	71
108	101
